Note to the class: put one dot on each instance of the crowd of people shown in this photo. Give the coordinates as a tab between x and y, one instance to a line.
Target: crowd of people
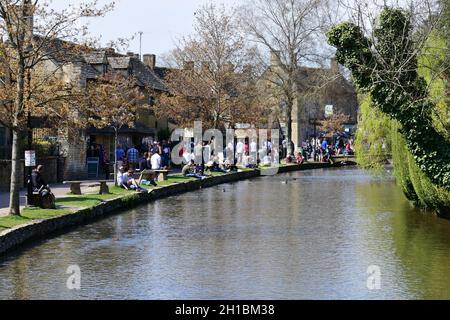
141	167
147	165
321	150
243	153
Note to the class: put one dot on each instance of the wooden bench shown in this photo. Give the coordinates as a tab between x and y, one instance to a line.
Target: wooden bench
162	175
75	186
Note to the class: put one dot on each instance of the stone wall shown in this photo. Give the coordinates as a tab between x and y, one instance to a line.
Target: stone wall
51	173
74	147
15	237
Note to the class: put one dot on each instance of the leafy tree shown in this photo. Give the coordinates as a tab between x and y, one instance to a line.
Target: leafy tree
34	37
335	123
386	68
113	102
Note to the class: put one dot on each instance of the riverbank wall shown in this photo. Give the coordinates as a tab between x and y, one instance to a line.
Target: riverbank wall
15	237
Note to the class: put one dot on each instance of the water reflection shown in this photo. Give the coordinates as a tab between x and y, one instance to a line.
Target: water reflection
306	235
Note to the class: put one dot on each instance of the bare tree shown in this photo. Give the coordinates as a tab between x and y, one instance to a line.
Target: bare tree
33	56
290	31
213	73
113	102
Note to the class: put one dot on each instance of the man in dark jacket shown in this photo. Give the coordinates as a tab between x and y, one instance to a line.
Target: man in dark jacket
46	199
37	180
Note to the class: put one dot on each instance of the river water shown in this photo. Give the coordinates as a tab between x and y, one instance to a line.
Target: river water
304	235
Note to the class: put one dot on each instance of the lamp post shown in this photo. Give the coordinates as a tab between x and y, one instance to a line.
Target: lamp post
30	201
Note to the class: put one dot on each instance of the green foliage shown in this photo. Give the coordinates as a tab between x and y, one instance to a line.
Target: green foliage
372	143
395	87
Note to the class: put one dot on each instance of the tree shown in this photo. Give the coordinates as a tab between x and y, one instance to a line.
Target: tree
335	123
113	102
35	37
213	74
385	66
289	29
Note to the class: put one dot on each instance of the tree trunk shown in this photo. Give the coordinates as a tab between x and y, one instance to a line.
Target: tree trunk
289	146
14	199
14	195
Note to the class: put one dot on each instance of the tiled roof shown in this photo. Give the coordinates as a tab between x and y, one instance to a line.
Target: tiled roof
145	75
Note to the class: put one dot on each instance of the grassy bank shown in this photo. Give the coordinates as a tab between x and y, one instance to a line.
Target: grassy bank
72	203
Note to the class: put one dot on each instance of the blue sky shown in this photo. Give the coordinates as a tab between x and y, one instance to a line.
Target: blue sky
162	21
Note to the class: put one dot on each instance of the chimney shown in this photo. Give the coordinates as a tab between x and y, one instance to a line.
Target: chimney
275	58
150	60
188	65
334	66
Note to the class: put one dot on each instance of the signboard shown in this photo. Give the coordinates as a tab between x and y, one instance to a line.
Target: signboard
329	111
30	158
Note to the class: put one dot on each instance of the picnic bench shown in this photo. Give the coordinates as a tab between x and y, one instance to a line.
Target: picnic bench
75	186
162	175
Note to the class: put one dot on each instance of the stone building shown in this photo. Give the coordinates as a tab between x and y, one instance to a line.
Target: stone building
78	69
318	89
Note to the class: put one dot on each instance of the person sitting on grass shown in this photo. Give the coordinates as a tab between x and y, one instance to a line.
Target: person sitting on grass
189	171
289	159
147	176
229	167
213	166
127	182
299	159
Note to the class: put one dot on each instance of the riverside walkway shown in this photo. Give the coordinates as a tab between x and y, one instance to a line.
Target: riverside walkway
59	190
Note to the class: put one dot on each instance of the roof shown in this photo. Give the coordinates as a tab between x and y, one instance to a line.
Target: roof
139	129
161	72
145	75
91	72
119	62
95	57
322	77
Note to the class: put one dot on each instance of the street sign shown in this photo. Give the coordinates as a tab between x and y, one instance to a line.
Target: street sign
30	158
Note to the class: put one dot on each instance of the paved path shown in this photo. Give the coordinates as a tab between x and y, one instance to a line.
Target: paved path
59	190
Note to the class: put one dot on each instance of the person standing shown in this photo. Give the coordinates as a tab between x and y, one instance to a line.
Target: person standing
165	157
254	151
156	161
239	152
133	158
120	154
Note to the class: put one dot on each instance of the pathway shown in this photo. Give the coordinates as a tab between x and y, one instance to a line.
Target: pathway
59	190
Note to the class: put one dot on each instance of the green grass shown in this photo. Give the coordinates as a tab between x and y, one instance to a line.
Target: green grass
30	214
88	200
68	204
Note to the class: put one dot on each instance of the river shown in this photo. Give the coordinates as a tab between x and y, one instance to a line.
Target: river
304	235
